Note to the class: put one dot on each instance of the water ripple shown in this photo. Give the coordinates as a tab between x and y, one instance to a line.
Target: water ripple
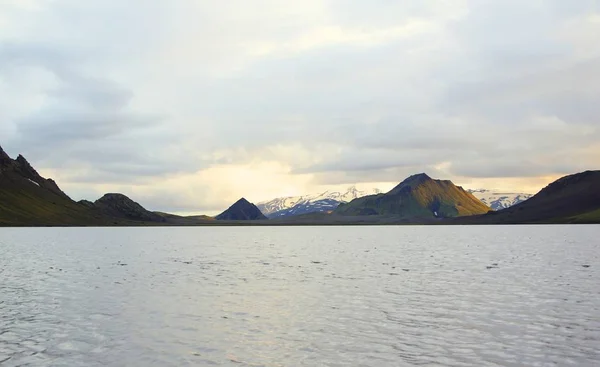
367	296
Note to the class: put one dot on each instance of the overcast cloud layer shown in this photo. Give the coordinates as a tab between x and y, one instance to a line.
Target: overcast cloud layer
188	105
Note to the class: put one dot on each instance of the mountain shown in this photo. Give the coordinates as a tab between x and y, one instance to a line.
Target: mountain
322	202
241	210
570	199
28	199
22	168
120	206
417	197
499	200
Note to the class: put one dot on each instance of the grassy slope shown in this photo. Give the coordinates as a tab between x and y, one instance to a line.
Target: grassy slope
31	206
23	203
589	217
454	201
417	199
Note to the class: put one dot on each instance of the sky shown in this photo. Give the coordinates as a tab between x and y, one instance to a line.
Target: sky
188	105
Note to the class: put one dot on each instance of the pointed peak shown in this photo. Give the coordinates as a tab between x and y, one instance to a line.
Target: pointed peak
242	201
5	160
22	160
241	210
26	170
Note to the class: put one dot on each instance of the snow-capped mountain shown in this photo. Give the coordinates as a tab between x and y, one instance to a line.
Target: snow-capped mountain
323	202
499	200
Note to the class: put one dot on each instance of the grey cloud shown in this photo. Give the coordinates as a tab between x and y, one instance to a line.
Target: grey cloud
310	98
569	92
15	55
510	34
377	13
478	151
97	94
365	161
522	167
88	122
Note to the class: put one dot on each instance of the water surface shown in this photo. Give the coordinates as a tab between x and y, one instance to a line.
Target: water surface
300	296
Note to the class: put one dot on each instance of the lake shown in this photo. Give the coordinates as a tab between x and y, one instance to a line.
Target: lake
301	296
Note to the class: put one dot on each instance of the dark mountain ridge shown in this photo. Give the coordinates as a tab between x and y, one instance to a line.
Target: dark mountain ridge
241	210
20	168
120	206
570	199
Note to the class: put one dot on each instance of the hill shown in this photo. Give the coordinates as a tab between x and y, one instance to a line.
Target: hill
417	197
28	199
570	199
120	206
241	210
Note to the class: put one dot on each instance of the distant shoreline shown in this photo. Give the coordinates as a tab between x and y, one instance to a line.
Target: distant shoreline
290	224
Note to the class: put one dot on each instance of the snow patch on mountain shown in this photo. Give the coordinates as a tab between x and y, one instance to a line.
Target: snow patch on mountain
499	200
322	202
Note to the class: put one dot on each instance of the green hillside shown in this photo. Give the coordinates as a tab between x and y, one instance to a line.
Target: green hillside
589	217
28	199
419	196
25	203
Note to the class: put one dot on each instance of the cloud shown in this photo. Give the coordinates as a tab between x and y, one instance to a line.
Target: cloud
86	122
190	97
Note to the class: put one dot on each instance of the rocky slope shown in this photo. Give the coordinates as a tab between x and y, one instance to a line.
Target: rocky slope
241	210
417	197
